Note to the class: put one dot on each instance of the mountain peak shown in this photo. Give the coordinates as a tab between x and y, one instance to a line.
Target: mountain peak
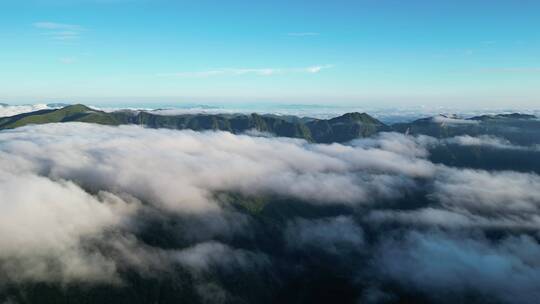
76	108
356	117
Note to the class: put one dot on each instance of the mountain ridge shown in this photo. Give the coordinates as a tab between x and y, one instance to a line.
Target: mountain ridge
342	128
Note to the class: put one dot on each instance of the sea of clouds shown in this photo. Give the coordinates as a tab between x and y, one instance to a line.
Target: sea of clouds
11	110
75	197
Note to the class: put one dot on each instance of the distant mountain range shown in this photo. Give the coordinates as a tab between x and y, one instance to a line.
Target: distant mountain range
517	128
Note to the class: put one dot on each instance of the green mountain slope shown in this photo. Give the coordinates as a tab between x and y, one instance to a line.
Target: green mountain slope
345	128
339	129
521	129
69	113
517	128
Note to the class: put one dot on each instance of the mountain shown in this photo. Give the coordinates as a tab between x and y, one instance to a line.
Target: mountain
520	129
339	129
57	105
504	116
70	113
345	127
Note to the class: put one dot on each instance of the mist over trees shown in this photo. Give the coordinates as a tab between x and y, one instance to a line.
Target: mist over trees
127	214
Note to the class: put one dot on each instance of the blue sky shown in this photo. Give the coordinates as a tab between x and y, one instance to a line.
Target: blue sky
364	52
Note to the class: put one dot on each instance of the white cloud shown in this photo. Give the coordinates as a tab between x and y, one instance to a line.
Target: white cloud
248	71
449	120
51	219
487	141
205	256
10	110
60	31
440	265
92	182
466	140
397	143
454	218
317	173
488	192
57	26
178	173
318	68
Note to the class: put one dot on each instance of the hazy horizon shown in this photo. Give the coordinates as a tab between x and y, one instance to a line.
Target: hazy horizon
386	114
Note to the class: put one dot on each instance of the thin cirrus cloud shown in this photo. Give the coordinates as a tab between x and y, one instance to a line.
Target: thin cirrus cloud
517	70
248	71
60	31
68	60
303	34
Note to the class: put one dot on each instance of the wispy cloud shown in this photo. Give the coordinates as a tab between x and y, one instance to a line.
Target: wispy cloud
248	71
512	70
68	60
56	26
60	31
303	34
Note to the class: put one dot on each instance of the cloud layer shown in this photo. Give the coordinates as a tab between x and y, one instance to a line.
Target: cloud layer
10	110
88	204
